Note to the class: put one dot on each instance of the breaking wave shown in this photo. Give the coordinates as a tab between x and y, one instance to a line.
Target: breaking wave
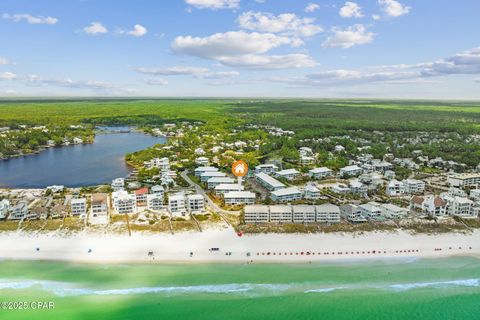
252	289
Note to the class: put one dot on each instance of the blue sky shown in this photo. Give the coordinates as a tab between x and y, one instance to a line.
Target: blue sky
241	48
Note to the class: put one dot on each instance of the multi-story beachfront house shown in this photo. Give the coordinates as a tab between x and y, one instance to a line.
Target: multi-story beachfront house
196	203
158	190
352	213
78	207
286	194
371	211
99	208
320	173
124	202
4	207
18	211
392	211
239	197
155	202
177	205
141	197
460	206
304	214
268	182
328	213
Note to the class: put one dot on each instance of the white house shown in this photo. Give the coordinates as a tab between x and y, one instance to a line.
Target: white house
392	211
328	213
268	168
340	188
124	202
286	194
350	171
200	170
18	211
320	173
99	208
352	213
394	188
371	211
155	202
412	186
268	182
156	189
288	174
141	197
118	184
196	203
256	214
475	194
177	205
459	206
204	177
281	214
162	163
4	207
202	161
78	207
311	192
464	180
223	188
215	181
304	214
356	187
239	197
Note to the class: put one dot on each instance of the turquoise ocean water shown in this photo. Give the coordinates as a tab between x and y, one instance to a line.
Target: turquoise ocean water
398	289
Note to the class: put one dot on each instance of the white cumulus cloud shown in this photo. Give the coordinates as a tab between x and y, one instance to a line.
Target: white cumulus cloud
311	7
349	37
285	23
3	61
351	10
95	28
393	8
7	76
242	49
214	4
138	31
30	18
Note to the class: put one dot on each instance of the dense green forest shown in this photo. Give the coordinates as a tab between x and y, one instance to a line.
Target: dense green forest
450	125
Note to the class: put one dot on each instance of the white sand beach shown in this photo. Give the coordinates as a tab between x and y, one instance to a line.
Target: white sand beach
196	247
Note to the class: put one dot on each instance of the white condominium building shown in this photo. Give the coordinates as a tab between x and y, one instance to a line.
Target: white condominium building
268	182
196	203
124	202
78	207
286	194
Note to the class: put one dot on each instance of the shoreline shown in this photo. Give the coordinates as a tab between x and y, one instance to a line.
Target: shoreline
194	247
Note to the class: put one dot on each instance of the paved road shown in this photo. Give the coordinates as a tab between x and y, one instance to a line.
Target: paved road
200	190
